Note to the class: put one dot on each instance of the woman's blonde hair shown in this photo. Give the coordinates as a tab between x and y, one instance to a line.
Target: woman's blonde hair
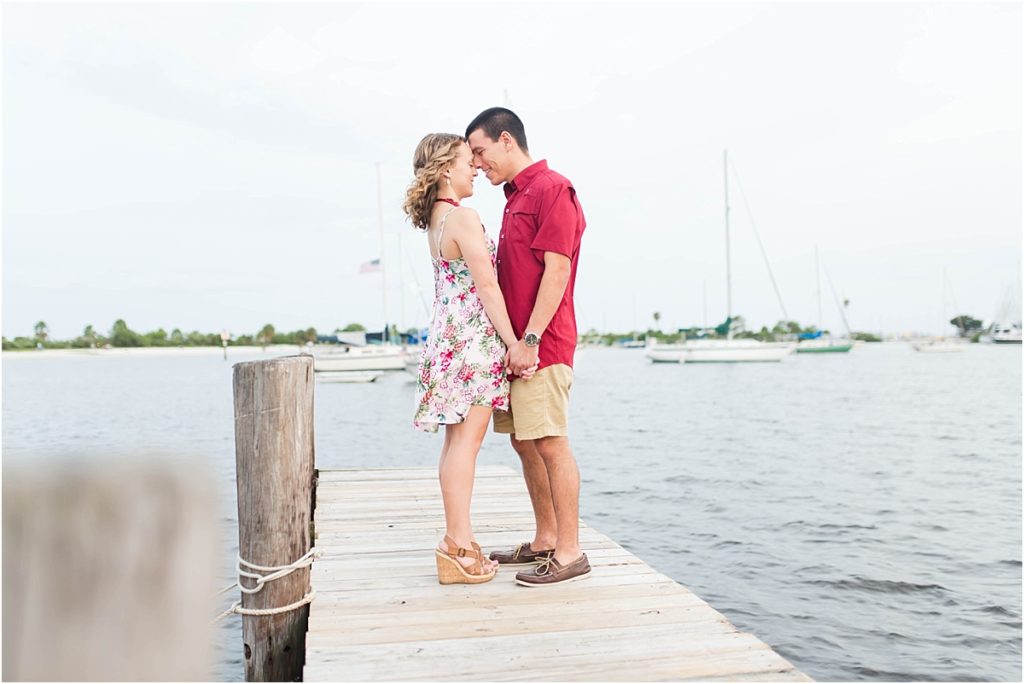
433	156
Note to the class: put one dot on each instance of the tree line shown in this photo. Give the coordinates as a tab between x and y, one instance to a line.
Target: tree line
967	327
121	335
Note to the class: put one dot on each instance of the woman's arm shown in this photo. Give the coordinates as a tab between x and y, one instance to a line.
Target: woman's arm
466	231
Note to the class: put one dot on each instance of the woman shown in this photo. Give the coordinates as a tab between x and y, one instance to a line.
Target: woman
462	376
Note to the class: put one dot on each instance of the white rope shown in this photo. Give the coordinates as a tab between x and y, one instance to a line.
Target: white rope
275	572
236	607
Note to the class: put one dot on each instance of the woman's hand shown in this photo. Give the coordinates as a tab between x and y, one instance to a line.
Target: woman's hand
528	372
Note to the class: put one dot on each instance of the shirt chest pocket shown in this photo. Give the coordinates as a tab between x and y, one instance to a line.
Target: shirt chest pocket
523	221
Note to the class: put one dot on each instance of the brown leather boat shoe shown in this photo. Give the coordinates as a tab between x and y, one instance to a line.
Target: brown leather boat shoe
520	555
550	572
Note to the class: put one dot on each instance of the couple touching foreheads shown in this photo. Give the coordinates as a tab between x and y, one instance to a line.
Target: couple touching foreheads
501	341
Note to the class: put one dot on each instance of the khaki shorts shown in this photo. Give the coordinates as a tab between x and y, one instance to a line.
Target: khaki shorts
540	405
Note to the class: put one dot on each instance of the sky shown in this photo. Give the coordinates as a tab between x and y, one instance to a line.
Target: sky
210	166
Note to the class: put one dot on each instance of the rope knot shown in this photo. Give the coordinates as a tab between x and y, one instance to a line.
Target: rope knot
263	575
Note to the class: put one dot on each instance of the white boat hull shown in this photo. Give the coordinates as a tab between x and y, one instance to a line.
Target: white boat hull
721	351
764	353
359	359
348	376
666	354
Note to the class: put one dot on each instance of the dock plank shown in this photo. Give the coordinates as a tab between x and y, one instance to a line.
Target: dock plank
381	615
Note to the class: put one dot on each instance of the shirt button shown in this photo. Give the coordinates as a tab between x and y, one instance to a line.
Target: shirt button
506	211
499	261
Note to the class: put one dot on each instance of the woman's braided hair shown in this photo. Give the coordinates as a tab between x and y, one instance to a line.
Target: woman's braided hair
433	156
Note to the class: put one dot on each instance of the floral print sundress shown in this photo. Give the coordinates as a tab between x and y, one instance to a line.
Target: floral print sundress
462	362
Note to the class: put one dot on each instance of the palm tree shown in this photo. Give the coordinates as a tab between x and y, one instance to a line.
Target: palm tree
42	331
265	335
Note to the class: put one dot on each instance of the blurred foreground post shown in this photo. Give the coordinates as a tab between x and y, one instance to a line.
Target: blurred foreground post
274	467
109	569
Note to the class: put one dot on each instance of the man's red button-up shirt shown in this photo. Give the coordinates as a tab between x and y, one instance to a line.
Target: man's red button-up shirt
542	214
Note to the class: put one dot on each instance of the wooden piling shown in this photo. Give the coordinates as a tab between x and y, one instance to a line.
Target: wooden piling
274	466
108	568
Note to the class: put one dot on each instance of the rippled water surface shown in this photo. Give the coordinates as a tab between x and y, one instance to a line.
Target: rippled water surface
859	513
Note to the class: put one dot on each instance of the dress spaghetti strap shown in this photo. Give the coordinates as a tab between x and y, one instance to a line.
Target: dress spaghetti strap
440	233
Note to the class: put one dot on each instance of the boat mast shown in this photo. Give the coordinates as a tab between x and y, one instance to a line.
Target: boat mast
705	304
383	274
839	307
817	269
401	285
942	305
728	262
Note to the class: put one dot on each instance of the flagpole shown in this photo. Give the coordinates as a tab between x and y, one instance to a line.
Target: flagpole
383	273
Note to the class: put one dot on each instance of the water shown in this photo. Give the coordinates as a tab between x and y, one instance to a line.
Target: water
859	513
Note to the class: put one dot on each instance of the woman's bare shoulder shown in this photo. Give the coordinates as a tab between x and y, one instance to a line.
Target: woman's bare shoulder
464	218
467	215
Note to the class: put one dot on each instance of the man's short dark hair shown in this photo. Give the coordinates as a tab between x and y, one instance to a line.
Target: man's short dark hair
497	119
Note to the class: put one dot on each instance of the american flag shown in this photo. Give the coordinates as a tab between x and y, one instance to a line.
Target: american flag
370	266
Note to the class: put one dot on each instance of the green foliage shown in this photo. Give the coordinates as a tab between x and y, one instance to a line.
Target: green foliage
789	328
88	339
299	337
123	336
265	335
865	337
157	338
966	324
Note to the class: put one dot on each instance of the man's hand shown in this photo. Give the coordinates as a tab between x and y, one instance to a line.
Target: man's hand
526	374
521	357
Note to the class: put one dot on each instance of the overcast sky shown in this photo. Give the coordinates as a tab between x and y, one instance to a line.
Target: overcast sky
209	166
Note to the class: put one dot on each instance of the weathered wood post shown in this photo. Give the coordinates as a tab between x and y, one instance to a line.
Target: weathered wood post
108	568
274	468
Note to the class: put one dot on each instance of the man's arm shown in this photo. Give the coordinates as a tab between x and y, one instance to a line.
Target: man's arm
557	269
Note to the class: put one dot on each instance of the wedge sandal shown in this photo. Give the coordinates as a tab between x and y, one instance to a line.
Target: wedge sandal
451	571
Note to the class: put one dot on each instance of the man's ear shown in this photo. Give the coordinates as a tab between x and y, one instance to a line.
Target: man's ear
506	139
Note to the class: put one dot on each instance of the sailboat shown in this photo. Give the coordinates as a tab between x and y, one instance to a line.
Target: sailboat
349	357
339	358
940	344
1007	326
819	342
728	350
1006	333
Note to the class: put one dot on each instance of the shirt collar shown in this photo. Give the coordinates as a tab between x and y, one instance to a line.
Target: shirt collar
525	177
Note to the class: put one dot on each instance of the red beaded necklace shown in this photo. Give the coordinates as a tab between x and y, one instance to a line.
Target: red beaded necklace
448	200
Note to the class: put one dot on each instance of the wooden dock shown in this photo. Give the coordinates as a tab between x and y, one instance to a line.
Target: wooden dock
380	614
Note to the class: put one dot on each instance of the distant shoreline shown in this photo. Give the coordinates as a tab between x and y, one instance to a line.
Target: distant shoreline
271	350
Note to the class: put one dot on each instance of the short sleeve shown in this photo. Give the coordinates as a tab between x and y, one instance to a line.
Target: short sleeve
557	219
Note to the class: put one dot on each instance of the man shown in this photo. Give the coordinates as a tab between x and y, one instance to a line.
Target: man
538	250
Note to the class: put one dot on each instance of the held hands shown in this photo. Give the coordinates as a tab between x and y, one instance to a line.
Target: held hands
526	374
522	360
